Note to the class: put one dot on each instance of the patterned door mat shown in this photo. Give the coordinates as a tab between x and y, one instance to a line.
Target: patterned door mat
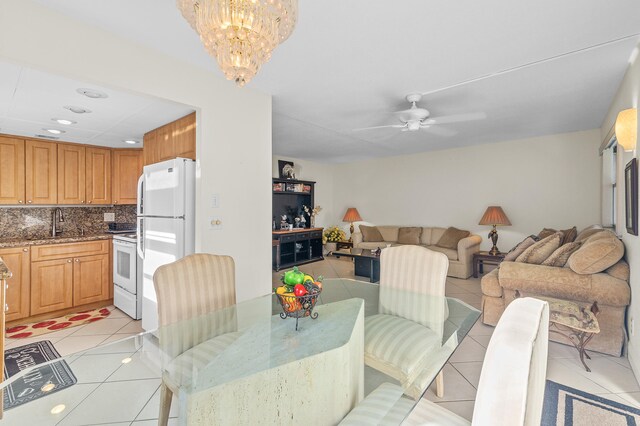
55	324
566	406
41	381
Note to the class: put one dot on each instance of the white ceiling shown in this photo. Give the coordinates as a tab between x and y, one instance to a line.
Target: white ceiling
350	63
30	99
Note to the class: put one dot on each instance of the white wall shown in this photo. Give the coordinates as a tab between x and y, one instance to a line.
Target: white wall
550	181
627	97
322	174
234	125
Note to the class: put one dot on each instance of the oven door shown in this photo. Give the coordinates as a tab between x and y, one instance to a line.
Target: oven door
124	265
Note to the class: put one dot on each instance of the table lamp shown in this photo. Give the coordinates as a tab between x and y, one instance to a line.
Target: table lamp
494	216
351	216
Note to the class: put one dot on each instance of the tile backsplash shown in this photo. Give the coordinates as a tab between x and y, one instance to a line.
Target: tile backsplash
35	222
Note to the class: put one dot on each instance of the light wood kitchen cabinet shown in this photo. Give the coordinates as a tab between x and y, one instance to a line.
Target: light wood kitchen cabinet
184	135
176	139
98	176
41	172
69	275
71	174
127	168
90	279
11	171
150	148
19	285
51	285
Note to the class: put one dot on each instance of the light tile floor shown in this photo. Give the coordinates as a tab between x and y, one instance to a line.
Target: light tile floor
610	378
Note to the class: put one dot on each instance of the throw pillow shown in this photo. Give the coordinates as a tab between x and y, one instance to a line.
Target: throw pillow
538	253
546	232
370	234
409	236
597	255
561	255
620	270
569	235
451	237
521	247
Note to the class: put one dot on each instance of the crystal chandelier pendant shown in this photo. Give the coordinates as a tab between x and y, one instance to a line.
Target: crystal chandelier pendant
241	34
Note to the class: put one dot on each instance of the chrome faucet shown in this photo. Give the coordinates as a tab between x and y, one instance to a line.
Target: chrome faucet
57	216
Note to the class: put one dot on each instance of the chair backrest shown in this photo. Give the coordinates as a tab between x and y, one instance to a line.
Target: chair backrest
512	381
194	285
412	284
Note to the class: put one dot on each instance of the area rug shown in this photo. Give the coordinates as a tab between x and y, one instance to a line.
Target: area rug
566	406
39	382
48	326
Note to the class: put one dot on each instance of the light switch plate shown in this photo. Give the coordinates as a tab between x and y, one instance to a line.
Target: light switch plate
215	201
109	217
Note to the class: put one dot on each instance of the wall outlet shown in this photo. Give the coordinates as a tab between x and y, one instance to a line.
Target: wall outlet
215	223
109	217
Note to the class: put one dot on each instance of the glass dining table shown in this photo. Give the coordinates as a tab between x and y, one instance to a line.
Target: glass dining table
243	364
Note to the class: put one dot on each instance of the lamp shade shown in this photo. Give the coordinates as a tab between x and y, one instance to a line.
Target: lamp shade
494	216
351	215
627	129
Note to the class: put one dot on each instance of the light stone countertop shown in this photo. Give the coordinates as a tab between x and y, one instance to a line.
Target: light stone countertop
22	242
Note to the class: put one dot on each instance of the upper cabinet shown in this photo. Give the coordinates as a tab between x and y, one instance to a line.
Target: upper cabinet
41	175
98	175
71	174
176	139
11	171
127	168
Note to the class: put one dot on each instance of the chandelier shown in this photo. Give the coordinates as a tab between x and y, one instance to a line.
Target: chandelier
240	34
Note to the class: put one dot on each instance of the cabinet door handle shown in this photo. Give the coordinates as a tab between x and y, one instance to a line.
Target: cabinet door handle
19	201
90	201
115	202
29	202
77	260
68	260
6	307
25	250
82	201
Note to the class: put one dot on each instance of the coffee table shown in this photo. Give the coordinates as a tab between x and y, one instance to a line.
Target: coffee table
366	264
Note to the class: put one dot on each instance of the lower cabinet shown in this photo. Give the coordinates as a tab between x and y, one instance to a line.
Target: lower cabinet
60	276
90	279
51	285
17	260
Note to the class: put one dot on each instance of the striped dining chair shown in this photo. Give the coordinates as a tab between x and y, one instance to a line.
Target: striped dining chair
191	287
411	314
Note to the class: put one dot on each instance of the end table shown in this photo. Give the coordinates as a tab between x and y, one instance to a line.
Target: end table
482	257
344	245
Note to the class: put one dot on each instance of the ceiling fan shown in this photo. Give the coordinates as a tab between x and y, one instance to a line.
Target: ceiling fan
416	118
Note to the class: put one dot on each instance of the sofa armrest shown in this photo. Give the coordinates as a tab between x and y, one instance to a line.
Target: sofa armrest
356	237
467	246
563	283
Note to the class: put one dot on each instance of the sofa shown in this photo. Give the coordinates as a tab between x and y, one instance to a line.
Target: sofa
460	260
608	287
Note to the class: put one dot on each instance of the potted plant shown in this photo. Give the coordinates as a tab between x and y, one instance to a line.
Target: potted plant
331	236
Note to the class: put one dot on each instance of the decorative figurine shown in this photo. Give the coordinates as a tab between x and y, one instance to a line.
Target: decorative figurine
284	223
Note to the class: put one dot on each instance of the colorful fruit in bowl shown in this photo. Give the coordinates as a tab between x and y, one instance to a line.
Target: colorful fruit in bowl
293	277
300	290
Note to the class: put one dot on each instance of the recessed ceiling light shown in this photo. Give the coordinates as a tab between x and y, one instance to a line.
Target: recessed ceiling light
93	94
131	141
77	109
126	360
58	409
55	131
63	121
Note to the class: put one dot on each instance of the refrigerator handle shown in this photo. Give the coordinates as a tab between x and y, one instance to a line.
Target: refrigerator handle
139	206
139	237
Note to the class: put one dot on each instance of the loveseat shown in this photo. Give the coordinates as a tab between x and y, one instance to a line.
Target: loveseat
608	287
460	260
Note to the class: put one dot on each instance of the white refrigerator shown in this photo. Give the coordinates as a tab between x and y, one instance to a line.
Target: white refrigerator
166	224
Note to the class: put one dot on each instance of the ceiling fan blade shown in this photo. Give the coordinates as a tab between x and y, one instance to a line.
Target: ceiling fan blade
456	118
439	131
395	126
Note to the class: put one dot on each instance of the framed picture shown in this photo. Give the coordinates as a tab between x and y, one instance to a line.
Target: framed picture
631	196
285	170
